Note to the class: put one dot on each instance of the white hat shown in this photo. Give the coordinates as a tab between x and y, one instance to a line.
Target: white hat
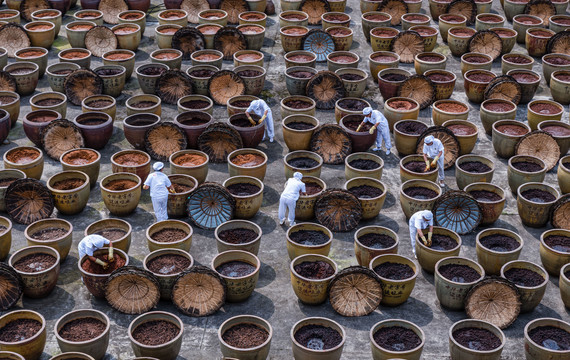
297	175
428	139
158	166
367	110
427	215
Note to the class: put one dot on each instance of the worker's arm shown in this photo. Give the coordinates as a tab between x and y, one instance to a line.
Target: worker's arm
264	116
373	128
422	236
434	162
430	234
171	189
360	126
250	119
98	261
111	257
427	162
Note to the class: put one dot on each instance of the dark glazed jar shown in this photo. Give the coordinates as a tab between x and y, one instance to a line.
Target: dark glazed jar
90	4
61	5
172	4
96	127
142	5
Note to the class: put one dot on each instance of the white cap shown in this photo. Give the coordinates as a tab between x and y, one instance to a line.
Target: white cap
428	139
427	215
297	175
158	166
367	110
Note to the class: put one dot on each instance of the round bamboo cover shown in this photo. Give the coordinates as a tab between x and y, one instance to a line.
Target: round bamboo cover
218	141
82	83
319	43
229	40
539	144
544	9
457	211
355	291
504	87
173	85
407	45
132	290
419	88
60	136
559	43
467	8
164	139
224	85
315	9
326	88
332	143
11	287
338	210
495	300
28	200
199	291
100	39
233	8
188	40
111	10
27	7
194	7
560	217
450	143
7	81
210	205
395	8
486	42
13	37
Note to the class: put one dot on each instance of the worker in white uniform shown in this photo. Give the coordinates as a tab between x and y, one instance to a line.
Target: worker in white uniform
260	108
433	149
293	187
378	121
90	243
419	222
159	185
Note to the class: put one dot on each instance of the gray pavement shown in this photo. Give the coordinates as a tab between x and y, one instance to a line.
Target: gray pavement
273	298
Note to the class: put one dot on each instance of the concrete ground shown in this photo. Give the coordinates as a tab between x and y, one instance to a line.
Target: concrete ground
273	298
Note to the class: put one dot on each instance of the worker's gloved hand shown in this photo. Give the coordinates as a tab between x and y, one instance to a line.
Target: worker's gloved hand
427	166
434	162
111	257
358	128
250	119
424	240
102	263
429	238
262	118
371	131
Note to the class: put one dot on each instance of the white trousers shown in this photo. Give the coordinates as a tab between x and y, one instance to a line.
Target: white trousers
160	206
284	205
440	167
269	127
413	235
383	134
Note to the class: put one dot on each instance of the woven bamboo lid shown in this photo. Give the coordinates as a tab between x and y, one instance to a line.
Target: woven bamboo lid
199	291
560	217
224	85
355	291
338	210
419	88
11	287
326	88
164	139
332	143
315	9
394	8
132	290
7	82
495	300
101	39
218	141
539	144
81	84
229	40
111	10
188	40
13	37
27	7
28	200
233	8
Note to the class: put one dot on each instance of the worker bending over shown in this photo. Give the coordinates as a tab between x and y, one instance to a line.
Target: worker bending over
419	222
260	108
378	121
433	149
90	243
288	201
